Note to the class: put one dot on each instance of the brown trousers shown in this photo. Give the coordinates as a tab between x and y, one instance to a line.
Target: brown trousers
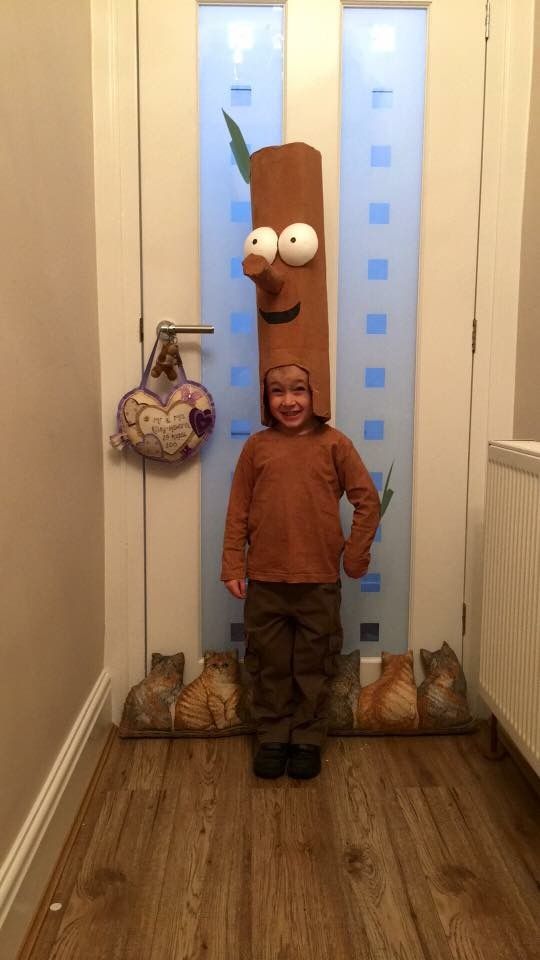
293	637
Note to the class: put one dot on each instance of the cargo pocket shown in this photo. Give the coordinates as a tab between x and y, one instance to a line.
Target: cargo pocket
251	661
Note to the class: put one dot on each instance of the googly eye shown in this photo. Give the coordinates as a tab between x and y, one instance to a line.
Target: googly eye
298	244
262	241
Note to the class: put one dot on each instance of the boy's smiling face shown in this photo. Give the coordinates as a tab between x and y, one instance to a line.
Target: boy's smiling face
289	399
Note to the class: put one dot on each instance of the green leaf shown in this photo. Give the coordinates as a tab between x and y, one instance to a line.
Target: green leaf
387	493
238	147
385	502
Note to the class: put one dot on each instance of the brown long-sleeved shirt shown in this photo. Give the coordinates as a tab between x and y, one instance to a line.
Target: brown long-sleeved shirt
284	505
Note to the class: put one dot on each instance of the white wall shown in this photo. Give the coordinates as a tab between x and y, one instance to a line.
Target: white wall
52	547
527	400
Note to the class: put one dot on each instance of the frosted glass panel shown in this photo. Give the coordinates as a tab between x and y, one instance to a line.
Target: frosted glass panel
381	153
241	71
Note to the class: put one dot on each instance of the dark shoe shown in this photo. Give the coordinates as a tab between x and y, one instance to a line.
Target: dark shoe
304	761
271	760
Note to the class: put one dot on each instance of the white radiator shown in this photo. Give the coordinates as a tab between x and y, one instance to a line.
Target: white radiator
510	640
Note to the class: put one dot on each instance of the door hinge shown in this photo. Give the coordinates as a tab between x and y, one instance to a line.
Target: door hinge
464	620
141	330
473	344
488	18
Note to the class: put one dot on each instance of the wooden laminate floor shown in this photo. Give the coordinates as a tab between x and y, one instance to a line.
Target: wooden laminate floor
403	849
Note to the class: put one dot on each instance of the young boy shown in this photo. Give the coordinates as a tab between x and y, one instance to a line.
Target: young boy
284	505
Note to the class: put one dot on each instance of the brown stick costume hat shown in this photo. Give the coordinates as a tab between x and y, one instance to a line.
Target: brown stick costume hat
284	256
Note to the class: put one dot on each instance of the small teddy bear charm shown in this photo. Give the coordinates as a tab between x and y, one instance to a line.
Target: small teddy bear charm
168	360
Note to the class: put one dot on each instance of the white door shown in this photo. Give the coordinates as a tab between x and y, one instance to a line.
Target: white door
300	53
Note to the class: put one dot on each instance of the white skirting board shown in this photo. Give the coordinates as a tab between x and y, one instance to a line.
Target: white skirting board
27	868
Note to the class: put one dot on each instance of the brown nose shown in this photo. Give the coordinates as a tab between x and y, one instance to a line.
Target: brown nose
262	273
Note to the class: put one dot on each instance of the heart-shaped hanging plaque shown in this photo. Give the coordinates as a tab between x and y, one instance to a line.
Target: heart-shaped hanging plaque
170	429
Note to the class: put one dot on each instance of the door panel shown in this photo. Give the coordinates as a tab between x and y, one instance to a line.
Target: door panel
446	303
382	125
170	274
241	71
172	283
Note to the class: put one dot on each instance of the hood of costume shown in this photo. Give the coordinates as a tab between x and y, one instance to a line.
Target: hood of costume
289	271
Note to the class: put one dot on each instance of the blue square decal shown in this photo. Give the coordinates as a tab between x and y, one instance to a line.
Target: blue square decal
371	583
241	323
373	429
377	270
240	377
378	536
238	633
375	376
379	213
381	156
240	428
382	99
236	268
369	632
240	95
240	211
377	480
376	323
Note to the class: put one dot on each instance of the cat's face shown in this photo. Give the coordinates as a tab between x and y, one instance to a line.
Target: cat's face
221	666
169	669
349	664
440	662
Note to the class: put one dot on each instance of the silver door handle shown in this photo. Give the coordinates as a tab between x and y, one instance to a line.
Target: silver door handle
165	329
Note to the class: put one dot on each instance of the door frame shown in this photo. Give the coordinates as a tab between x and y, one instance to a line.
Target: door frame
114	66
116	177
506	130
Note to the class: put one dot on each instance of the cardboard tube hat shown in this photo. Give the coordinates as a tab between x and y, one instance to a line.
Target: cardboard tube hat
284	256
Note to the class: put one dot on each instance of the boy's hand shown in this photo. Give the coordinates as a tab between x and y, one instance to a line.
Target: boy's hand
355	570
237	588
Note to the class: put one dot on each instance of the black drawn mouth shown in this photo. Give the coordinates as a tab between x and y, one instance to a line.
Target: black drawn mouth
283	316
